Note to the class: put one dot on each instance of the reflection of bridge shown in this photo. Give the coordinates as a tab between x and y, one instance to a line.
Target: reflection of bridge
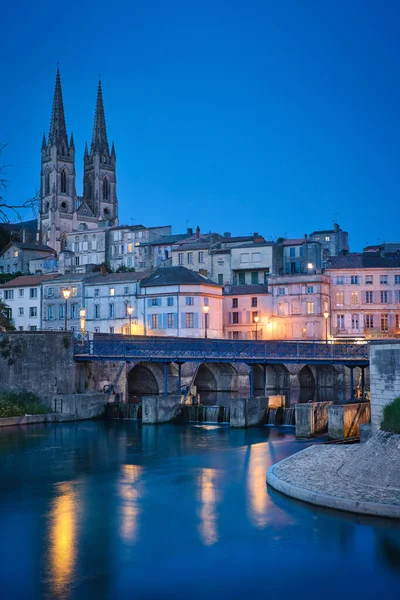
198	350
162	353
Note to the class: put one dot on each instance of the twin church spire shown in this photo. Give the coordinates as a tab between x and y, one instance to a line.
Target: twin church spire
61	209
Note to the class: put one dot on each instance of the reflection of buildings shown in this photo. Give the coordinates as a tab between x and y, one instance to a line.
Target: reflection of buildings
129	492
63	540
207	495
258	498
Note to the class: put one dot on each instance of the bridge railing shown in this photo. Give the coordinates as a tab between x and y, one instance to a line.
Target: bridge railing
235	350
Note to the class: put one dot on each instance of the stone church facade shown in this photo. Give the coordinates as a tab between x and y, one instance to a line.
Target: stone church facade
62	211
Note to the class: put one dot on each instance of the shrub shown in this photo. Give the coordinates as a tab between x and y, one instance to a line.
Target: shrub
13	404
391	417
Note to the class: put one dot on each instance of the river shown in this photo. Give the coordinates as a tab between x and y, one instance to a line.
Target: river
116	510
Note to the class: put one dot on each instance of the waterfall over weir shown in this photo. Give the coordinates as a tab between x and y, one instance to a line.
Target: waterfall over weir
205	414
280	416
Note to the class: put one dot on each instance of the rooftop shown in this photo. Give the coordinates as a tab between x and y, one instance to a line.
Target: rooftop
132	276
28	280
241	290
176	276
24	246
367	260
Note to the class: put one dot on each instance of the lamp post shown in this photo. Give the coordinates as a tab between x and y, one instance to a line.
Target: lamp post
130	311
256	319
66	293
205	309
82	314
326	315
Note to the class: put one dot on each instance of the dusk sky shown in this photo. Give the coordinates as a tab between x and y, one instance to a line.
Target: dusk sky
241	116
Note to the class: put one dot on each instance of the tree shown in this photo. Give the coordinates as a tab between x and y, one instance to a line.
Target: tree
5	318
7	211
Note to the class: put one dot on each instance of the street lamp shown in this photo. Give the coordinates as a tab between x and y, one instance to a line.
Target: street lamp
130	311
66	293
256	319
82	314
205	309
326	315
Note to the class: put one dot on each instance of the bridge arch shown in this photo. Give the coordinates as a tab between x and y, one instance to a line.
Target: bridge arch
306	378
216	377
327	376
143	380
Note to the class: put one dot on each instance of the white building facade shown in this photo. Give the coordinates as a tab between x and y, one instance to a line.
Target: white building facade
175	301
23	295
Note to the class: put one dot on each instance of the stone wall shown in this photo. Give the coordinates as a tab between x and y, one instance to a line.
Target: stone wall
39	362
385	376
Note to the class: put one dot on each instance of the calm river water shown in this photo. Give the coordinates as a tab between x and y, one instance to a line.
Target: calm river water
113	510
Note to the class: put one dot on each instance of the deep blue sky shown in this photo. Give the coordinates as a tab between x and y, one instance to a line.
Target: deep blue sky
239	115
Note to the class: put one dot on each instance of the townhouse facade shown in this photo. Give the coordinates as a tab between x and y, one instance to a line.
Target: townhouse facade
300	306
176	301
247	312
16	256
365	295
54	305
111	303
23	296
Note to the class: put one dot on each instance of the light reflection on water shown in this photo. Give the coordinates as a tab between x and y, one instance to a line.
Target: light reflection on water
114	510
62	552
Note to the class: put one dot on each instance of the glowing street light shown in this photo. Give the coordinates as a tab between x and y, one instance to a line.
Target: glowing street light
326	315
66	293
256	319
205	309
130	311
82	314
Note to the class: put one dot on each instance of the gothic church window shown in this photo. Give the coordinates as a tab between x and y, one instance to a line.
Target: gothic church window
47	184
63	182
105	188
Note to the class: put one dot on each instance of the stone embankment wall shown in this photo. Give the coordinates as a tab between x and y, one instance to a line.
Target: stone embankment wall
385	376
43	363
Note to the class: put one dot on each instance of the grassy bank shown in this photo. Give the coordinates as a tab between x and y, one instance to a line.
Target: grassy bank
19	404
391	417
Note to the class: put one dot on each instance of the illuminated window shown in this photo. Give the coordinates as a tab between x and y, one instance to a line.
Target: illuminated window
339	298
384	323
354	298
170	320
310	308
74	291
154	322
130	247
369	321
15	253
112	291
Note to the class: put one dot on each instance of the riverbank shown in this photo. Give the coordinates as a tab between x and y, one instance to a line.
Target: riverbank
362	479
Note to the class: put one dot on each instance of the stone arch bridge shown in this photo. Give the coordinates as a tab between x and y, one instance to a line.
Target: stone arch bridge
167	365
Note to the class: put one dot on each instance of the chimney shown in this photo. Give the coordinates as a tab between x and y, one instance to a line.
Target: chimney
189	231
197	232
336	227
255	234
227	234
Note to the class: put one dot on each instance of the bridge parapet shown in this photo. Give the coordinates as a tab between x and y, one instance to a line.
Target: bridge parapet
198	350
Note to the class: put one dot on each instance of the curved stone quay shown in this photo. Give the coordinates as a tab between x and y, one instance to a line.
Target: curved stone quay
362	478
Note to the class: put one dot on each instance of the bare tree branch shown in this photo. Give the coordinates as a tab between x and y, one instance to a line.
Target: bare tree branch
7	211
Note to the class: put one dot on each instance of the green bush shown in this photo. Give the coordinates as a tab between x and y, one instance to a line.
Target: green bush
391	417
14	404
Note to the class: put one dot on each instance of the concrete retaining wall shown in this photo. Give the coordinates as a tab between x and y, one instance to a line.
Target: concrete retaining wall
311	418
248	412
80	406
385	376
161	409
344	420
